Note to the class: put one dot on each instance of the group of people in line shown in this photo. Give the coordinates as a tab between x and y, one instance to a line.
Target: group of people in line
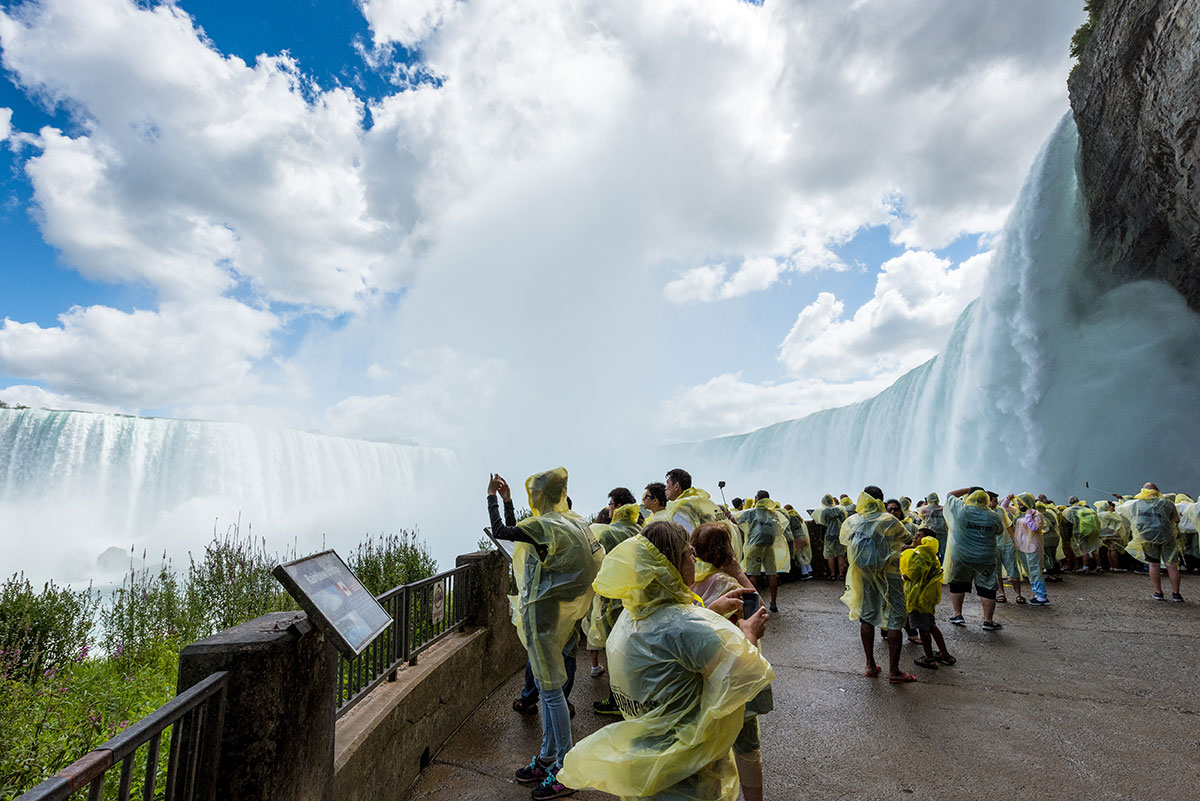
669	588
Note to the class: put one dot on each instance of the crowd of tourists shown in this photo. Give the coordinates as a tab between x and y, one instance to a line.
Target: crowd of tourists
676	590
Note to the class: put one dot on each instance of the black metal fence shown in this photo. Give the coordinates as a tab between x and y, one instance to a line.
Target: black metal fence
422	613
195	718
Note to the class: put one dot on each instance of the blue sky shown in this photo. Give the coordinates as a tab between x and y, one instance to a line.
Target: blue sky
368	232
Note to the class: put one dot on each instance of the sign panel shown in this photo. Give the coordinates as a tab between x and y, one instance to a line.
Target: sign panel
335	600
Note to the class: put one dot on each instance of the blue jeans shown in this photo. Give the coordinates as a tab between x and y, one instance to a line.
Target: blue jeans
529	693
1033	566
556	726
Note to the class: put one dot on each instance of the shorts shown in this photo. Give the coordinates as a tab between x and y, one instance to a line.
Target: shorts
964	574
922	621
760	559
893	609
833	546
749	739
1166	553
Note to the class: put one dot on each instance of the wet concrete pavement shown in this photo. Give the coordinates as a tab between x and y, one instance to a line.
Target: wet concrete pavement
1094	697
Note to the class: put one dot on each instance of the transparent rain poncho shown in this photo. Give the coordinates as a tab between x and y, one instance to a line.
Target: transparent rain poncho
1151	518
554	591
711	582
605	611
681	675
873	540
1114	529
1085	528
923	573
831	515
802	545
763	526
975	529
1189	524
694	507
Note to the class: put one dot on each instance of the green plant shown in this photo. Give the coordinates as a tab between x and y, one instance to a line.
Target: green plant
389	560
42	631
1083	34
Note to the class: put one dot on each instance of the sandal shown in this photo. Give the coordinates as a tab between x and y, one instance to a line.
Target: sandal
944	658
872	673
1021	599
905	679
926	662
1001	598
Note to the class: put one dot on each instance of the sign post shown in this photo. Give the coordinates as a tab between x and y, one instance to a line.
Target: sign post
335	600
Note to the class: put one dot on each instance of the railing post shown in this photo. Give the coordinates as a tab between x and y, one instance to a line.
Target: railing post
278	725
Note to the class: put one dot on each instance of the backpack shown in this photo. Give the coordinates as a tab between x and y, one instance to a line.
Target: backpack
868	548
1088	521
936	521
763	527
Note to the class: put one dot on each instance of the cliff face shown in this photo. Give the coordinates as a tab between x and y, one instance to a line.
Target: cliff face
1136	99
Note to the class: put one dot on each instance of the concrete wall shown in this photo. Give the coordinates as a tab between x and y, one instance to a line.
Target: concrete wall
382	744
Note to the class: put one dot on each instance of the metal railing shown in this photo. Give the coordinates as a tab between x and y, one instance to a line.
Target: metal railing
195	718
422	613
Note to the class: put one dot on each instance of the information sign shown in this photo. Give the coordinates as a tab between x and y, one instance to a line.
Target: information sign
438	613
335	600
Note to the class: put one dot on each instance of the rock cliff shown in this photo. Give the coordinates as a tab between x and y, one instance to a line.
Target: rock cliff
1136	99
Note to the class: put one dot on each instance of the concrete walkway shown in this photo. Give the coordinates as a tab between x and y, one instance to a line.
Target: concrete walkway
1094	697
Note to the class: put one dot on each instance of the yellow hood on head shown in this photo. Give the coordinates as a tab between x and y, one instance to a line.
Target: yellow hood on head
932	498
868	505
1025	501
828	500
977	498
626	514
637	573
548	491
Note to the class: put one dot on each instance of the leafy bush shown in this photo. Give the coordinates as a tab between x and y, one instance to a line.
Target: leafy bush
390	560
41	632
1083	34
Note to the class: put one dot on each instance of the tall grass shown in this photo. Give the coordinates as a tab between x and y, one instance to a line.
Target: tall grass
76	668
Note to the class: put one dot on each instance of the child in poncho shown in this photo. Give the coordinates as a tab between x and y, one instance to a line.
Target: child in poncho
922	571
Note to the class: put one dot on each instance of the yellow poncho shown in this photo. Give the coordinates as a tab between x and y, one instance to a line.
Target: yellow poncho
682	676
554	591
923	573
605	611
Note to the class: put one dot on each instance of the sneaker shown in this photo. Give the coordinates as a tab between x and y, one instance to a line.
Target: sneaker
774	608
1158	596
1039	601
807	577
597	670
535	772
989	625
525	706
1176	597
958	620
551	787
606	707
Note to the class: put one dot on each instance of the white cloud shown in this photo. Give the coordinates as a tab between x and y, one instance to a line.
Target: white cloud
530	205
5	123
447	402
727	404
143	359
39	398
918	297
406	23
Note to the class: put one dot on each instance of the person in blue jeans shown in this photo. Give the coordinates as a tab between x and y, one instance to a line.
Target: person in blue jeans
527	702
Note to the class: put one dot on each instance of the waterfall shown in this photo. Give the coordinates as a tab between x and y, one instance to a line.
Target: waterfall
1048	380
73	484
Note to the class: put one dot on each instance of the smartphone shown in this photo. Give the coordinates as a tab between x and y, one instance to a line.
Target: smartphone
749	605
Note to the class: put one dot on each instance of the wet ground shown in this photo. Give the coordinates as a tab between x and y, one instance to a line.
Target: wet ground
1094	697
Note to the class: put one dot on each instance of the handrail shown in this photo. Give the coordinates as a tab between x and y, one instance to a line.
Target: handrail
412	631
192	709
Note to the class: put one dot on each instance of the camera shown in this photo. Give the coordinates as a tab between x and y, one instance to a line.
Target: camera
721	484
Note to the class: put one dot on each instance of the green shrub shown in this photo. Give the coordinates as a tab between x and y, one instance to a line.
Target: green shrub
1083	34
41	632
390	560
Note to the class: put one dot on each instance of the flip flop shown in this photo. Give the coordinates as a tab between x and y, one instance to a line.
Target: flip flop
945	659
1001	599
905	679
870	674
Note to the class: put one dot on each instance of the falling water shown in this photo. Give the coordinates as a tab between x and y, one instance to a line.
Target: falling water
1049	380
73	484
